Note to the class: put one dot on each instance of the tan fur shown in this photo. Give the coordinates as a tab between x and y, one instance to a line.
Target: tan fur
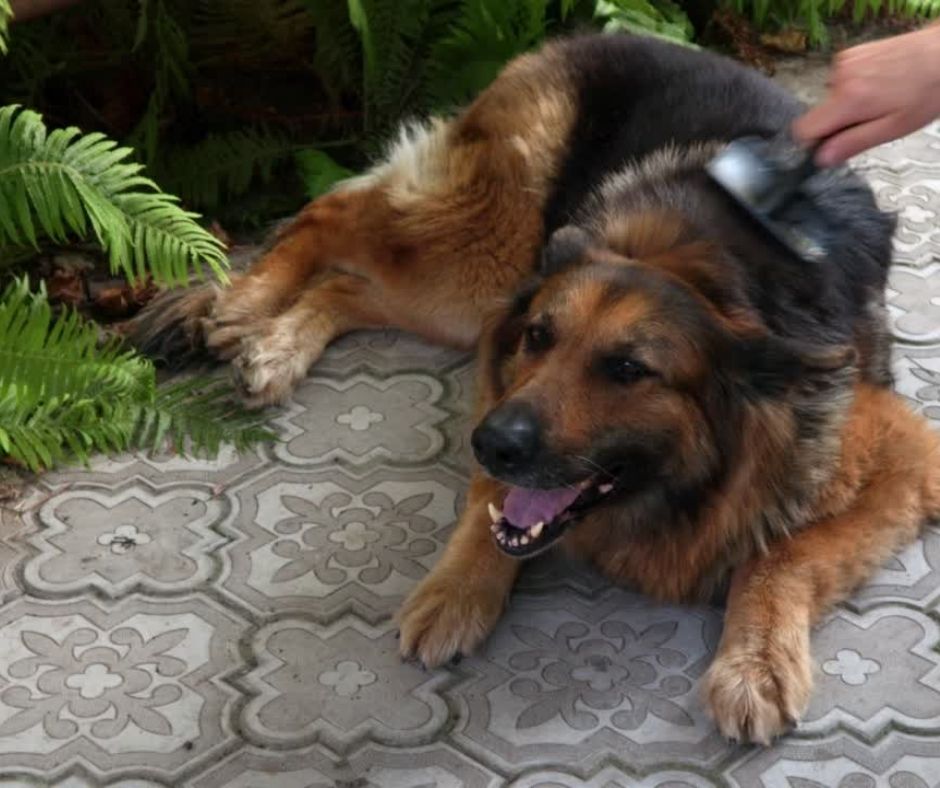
429	241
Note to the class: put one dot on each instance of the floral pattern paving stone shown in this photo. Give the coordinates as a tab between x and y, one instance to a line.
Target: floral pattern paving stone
169	621
319	543
135	685
133	537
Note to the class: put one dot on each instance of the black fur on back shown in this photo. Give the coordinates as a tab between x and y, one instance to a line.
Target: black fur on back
637	96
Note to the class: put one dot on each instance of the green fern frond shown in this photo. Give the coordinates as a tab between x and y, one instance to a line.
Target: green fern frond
197	416
162	37
483	37
658	18
319	172
392	66
338	52
46	357
64	184
222	166
64	395
6	14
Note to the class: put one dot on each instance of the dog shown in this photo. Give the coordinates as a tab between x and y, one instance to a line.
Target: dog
663	389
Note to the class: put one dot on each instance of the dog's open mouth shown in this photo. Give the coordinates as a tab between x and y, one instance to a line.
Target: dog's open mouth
532	520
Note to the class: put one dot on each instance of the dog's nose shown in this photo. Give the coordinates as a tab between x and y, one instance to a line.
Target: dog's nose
508	438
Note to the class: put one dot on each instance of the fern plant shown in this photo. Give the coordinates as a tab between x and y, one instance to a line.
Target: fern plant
64	395
6	14
223	165
660	18
483	36
64	184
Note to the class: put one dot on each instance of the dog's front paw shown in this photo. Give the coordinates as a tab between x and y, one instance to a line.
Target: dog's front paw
444	618
757	694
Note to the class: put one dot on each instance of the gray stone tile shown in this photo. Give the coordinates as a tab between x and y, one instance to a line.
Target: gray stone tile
372	766
136	685
116	539
572	680
327	541
363	418
341	685
875	671
897	761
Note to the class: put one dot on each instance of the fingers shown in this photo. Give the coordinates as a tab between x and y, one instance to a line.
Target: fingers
852	141
837	112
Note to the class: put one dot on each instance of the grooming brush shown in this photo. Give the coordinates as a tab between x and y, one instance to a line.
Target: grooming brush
769	179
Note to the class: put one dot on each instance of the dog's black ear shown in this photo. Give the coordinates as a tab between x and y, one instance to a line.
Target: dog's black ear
566	246
769	366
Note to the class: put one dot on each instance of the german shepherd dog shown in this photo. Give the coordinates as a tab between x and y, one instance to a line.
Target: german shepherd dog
664	390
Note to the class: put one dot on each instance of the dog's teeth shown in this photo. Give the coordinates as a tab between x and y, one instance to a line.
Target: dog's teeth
536	530
605	488
513	542
524	540
494	527
495	514
501	537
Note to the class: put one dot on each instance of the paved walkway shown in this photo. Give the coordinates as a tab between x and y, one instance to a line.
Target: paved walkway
176	623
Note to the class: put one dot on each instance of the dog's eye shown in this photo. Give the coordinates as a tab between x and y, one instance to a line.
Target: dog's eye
624	370
537	338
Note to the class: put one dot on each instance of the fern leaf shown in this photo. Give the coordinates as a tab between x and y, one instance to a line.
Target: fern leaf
62	183
319	172
338	50
391	48
6	14
658	18
484	36
222	166
64	395
60	354
166	242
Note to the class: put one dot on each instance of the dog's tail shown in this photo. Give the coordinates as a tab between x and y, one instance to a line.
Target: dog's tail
169	328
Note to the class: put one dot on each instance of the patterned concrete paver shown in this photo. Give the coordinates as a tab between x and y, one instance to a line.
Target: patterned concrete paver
228	623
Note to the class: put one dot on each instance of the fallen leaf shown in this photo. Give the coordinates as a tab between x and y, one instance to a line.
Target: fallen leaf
219	232
65	286
791	41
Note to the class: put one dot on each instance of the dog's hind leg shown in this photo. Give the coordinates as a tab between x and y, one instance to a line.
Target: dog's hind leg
761	679
277	353
330	234
327	234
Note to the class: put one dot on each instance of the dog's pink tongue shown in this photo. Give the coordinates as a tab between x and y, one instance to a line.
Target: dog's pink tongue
524	508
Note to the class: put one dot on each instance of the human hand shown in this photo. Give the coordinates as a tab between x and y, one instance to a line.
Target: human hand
877	92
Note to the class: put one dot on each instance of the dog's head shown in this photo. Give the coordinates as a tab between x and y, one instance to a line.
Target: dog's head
623	367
